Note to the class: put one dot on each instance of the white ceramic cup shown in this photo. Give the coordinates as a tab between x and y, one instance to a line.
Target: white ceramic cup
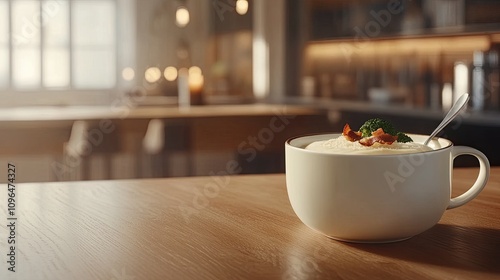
375	198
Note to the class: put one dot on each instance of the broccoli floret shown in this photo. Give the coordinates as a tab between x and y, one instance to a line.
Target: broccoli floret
373	124
403	138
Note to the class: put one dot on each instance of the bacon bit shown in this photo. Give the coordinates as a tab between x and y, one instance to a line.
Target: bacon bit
378	136
350	134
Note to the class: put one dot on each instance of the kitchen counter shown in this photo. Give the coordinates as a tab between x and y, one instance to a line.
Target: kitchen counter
483	118
469	128
193	140
72	113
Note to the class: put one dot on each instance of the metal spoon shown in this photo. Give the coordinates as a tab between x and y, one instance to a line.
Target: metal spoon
457	107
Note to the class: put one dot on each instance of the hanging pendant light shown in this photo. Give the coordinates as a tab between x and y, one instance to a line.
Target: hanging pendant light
182	16
241	7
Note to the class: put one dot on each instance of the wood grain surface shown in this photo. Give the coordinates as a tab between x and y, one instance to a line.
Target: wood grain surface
227	227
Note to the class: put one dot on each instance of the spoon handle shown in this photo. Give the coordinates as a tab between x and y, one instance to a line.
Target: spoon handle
457	107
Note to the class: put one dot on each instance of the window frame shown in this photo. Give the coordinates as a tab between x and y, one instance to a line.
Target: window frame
70	95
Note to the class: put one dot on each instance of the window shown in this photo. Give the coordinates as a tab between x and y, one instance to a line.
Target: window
4	44
60	44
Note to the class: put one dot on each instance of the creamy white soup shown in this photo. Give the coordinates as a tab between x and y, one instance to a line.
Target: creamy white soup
341	145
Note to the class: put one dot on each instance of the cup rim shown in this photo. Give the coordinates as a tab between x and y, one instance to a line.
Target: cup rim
448	145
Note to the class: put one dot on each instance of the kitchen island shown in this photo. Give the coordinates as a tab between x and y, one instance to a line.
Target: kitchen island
125	142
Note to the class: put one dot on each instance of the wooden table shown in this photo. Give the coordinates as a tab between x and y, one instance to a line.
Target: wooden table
227	227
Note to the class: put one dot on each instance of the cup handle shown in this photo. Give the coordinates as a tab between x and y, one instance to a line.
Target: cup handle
482	178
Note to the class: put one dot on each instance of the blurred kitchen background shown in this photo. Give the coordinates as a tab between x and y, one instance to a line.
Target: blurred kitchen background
119	89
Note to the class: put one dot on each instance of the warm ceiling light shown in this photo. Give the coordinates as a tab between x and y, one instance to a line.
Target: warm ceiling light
182	16
128	74
152	74
242	7
194	70
170	73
